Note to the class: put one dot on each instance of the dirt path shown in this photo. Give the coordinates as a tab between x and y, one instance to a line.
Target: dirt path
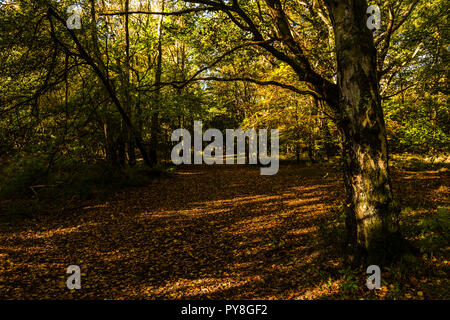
208	232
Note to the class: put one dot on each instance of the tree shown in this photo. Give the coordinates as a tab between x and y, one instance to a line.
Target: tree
155	127
372	216
372	219
99	70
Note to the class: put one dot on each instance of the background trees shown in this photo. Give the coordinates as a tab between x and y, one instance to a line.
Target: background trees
113	91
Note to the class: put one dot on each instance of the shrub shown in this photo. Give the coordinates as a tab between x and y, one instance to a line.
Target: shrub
435	230
21	174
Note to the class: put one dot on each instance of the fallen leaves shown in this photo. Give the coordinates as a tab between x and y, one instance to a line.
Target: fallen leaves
210	232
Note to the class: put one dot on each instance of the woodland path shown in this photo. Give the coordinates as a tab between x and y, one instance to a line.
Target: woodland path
220	232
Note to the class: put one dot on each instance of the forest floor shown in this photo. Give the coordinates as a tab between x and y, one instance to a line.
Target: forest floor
220	232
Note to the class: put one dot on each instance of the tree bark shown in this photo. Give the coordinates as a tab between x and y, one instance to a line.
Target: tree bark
372	216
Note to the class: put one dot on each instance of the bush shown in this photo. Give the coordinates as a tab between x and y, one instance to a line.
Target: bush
21	174
68	179
435	230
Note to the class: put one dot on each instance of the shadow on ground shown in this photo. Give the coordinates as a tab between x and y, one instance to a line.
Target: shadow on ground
221	232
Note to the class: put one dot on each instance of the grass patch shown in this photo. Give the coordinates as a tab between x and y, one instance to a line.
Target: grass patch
414	162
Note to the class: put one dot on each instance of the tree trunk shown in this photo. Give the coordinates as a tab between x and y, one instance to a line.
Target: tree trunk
372	217
297	152
310	151
155	127
129	103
